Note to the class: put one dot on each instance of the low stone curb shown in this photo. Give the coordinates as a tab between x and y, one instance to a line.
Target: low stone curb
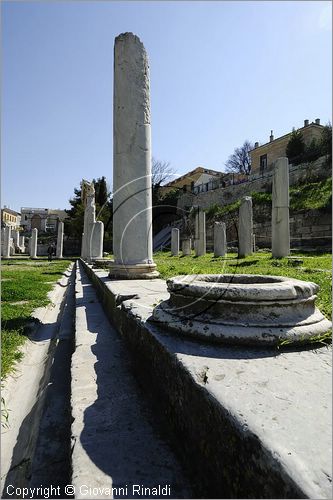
255	423
24	390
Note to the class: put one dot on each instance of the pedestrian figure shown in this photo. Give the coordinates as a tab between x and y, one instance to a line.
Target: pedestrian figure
50	252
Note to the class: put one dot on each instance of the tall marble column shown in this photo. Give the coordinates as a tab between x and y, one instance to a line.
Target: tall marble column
245	227
60	240
132	186
220	240
280	209
6	242
88	198
200	233
174	241
33	243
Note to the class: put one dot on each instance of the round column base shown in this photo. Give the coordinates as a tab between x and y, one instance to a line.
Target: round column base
133	271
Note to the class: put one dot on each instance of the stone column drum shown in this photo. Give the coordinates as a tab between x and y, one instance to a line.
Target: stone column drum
280	209
220	240
200	229
245	227
16	237
174	241
33	243
88	198
132	185
7	237
60	239
187	246
97	237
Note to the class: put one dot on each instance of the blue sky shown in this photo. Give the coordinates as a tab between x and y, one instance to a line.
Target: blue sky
221	72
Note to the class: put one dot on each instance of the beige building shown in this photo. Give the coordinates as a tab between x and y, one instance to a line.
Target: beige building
43	219
200	176
263	157
10	218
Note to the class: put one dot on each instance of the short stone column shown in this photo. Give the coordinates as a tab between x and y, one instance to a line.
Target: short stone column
200	233
22	243
187	246
220	240
245	227
16	238
97	236
280	209
132	185
174	241
60	240
33	243
6	242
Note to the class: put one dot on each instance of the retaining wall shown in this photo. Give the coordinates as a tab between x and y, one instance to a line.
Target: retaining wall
249	423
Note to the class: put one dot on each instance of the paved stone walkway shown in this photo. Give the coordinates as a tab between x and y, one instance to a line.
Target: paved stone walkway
116	440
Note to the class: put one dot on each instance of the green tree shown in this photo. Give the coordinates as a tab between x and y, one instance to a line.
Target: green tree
74	224
312	151
326	141
101	191
295	147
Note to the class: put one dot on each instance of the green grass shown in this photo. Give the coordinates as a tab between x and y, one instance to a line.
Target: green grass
316	268
312	196
29	281
309	196
218	210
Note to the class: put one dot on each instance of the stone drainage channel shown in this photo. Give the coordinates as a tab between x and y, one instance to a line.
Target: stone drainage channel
117	440
244	423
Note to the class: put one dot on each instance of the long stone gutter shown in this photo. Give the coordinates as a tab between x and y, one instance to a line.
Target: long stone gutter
25	388
250	423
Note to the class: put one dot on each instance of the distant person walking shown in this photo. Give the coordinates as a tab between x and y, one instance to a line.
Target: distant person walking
50	251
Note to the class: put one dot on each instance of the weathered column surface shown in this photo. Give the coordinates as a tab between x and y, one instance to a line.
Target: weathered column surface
245	227
186	246
174	241
97	237
33	243
200	230
88	198
16	237
220	240
132	196
280	209
6	242
60	239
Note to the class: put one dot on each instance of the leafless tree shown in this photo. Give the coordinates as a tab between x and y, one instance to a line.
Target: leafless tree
161	173
240	160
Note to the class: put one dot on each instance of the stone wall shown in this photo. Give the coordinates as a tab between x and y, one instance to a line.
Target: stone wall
219	406
298	174
308	228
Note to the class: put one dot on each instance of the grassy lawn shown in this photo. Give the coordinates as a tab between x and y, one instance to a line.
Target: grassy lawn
24	287
315	267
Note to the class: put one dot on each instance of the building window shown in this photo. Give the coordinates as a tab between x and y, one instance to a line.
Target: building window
263	163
